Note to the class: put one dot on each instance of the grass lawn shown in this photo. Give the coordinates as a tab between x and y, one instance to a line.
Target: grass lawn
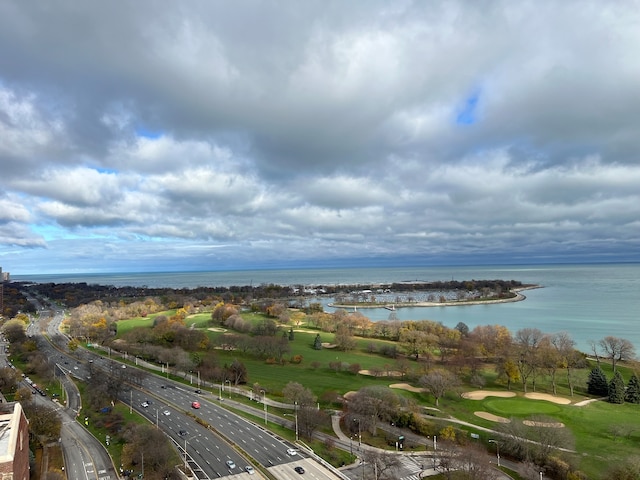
601	430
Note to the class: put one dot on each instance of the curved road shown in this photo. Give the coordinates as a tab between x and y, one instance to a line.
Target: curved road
168	405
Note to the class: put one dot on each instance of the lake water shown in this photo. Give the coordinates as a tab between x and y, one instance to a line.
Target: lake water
587	301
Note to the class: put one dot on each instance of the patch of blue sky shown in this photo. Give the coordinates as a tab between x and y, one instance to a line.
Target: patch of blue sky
146	133
51	232
467	113
105	170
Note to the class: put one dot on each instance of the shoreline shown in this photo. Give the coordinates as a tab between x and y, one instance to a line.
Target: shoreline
519	297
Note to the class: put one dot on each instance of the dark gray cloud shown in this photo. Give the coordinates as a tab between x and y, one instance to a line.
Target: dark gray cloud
210	133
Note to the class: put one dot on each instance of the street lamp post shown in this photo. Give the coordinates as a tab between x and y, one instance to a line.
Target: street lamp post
351	444
295	415
359	432
229	382
220	392
497	450
185	456
264	402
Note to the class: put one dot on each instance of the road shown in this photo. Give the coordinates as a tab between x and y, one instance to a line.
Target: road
205	450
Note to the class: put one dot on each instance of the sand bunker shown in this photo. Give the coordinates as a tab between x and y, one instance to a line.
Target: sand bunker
407	387
380	373
548	398
328	345
482	394
348	395
216	329
529	423
491	417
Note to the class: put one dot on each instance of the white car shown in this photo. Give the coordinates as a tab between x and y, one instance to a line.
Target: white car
166	412
291	451
144	404
249	469
231	465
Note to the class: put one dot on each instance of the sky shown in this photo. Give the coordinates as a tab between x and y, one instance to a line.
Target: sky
162	136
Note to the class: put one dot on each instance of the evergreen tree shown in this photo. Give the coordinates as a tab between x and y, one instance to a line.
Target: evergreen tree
597	383
317	343
291	334
632	395
616	388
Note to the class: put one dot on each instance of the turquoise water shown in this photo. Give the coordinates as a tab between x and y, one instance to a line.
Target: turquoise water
587	301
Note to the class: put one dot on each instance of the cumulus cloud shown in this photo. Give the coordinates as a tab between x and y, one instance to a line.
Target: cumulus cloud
303	131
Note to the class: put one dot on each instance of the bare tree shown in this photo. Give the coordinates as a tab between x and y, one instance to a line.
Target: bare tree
527	343
309	419
373	404
438	382
296	393
383	465
570	357
534	439
475	464
617	349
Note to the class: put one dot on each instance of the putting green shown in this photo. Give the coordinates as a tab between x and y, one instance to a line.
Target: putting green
519	406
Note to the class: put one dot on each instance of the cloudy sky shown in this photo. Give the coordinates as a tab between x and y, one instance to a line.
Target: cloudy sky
155	136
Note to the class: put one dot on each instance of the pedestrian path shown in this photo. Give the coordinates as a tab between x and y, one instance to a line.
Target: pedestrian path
409	464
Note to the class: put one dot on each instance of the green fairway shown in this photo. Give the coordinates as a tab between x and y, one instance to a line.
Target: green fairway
601	430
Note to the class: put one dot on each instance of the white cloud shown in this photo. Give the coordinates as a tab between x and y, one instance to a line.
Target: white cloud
319	129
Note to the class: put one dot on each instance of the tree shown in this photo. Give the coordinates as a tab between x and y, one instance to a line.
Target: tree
317	342
237	371
616	388
309	419
9	379
474	463
632	393
570	358
159	457
15	331
44	421
373	404
462	328
551	361
343	339
296	393
627	470
527	341
509	370
597	383
534	441
382	464
438	382
617	349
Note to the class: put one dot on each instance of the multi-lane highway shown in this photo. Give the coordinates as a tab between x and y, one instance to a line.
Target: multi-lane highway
219	444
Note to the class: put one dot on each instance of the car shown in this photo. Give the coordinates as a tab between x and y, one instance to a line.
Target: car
144	404
124	366
183	433
166	412
249	469
198	391
300	470
230	464
195	404
291	451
